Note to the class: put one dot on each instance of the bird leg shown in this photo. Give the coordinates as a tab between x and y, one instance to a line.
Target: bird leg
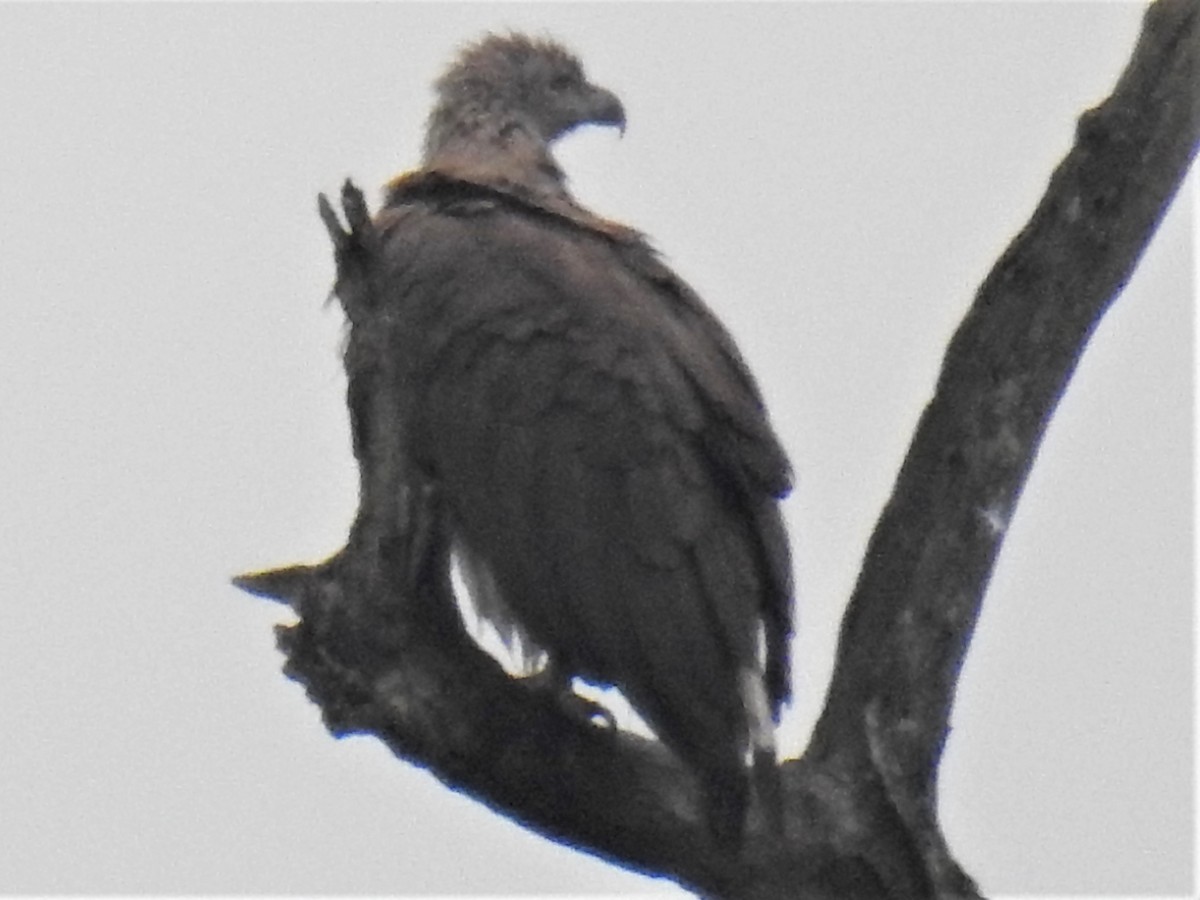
555	681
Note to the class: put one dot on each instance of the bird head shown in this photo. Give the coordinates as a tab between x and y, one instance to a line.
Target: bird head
515	81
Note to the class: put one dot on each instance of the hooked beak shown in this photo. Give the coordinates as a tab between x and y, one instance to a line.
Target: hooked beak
605	109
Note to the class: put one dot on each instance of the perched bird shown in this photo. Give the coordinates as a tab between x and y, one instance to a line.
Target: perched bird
600	452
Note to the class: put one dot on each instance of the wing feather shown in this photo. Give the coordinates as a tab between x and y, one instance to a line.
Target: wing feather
576	405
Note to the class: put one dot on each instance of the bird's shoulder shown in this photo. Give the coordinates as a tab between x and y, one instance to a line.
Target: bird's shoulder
488	264
474	192
462	254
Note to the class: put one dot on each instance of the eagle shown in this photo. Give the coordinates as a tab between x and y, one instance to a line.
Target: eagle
603	463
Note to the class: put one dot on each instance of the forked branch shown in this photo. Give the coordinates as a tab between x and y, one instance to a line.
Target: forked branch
380	648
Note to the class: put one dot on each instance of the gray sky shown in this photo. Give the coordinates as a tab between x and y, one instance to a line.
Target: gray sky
834	179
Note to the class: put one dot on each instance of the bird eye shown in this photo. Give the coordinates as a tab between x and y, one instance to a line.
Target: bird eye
561	83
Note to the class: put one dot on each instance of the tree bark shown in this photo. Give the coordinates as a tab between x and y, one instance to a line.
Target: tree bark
381	649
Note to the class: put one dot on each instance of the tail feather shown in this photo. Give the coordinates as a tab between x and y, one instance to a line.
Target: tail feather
726	797
768	787
765	772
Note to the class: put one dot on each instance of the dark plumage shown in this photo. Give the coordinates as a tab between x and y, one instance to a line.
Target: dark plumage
598	447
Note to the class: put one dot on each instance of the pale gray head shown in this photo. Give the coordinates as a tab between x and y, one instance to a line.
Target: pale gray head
514	82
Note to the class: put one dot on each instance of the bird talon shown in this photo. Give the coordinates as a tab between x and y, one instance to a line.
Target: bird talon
552	681
592	712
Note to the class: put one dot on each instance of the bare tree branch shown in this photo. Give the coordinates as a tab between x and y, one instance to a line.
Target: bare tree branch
380	648
928	563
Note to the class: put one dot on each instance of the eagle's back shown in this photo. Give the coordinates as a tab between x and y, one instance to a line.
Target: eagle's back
601	452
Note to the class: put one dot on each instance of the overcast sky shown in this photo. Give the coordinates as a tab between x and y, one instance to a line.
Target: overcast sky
835	180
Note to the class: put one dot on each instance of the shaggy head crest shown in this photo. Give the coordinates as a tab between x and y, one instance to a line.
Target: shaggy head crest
513	81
